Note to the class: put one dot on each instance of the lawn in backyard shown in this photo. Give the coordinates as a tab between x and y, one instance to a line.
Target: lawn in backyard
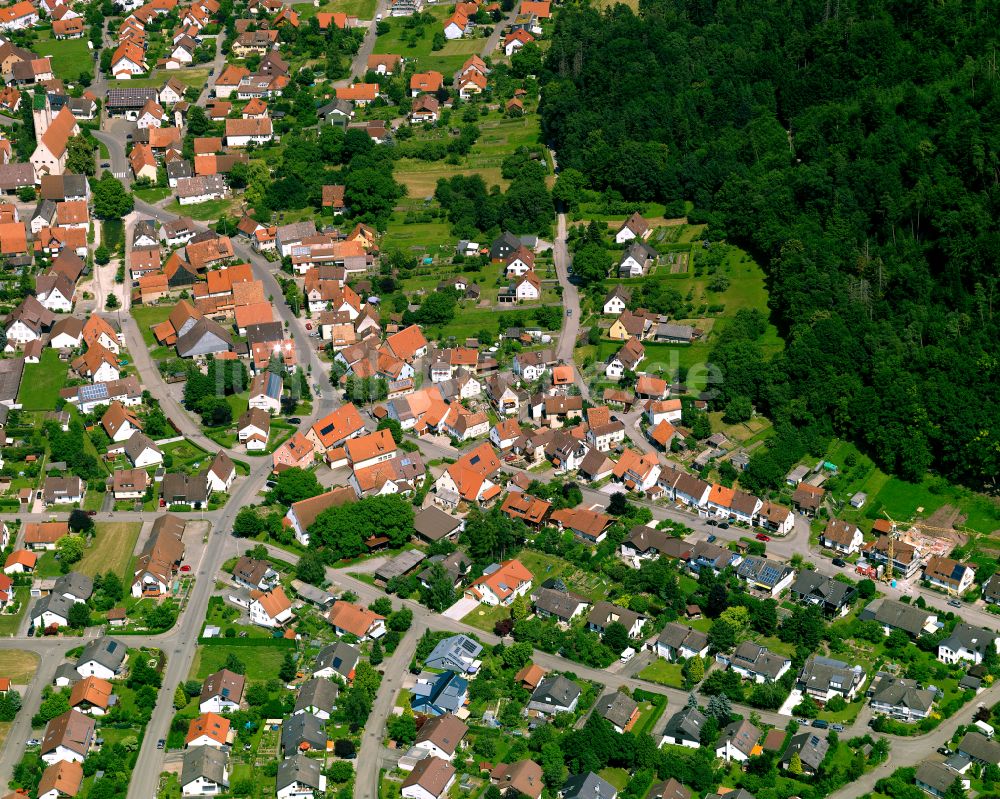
187	457
618	777
70	57
484	617
40	385
545	567
112	234
203	212
195	78
266	659
152	195
146	316
649	714
111	549
19	665
662	672
10	622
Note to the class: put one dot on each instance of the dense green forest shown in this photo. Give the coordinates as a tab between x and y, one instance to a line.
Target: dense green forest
851	145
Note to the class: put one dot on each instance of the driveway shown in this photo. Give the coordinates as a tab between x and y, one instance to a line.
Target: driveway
460	609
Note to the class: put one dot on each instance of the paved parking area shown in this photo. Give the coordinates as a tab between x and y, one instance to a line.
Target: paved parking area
461	609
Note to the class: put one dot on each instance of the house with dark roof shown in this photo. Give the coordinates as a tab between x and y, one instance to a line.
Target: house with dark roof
832	596
823	678
678	642
894	615
619	709
647	543
980	749
204	771
766	575
606	613
337	661
302	732
317	696
968	643
555	694
562	606
755	662
738	742
811	749
433	524
299	777
103	658
899	698
684	728
588	786
936	778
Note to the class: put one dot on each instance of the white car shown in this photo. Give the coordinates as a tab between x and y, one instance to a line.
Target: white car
627	655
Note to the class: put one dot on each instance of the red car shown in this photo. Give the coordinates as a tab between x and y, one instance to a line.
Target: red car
185	568
762	537
309	326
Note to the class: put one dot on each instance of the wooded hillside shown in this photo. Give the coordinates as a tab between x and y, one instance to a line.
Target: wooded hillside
852	146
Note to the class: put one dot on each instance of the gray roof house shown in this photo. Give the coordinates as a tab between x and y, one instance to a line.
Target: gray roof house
900	698
618	709
456	653
299	775
979	748
555	694
967	642
832	596
304	728
102	657
755	662
51	609
588	786
893	615
810	748
204	771
684	728
823	678
317	696
433	524
338	661
936	778
560	605
74	586
679	641
205	337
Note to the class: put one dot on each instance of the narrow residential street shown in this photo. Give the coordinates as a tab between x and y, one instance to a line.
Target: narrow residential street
370	754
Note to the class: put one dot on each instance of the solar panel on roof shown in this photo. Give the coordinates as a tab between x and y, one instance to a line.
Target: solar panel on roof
92	392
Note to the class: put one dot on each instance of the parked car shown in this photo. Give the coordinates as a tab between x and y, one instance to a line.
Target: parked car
839	562
712	523
820	724
185	568
295	420
837	727
762	537
711	539
161	743
723	525
955	603
944	750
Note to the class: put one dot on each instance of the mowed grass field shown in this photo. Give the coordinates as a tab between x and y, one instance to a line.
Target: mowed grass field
146	316
194	78
40	385
111	549
18	664
70	57
266	660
